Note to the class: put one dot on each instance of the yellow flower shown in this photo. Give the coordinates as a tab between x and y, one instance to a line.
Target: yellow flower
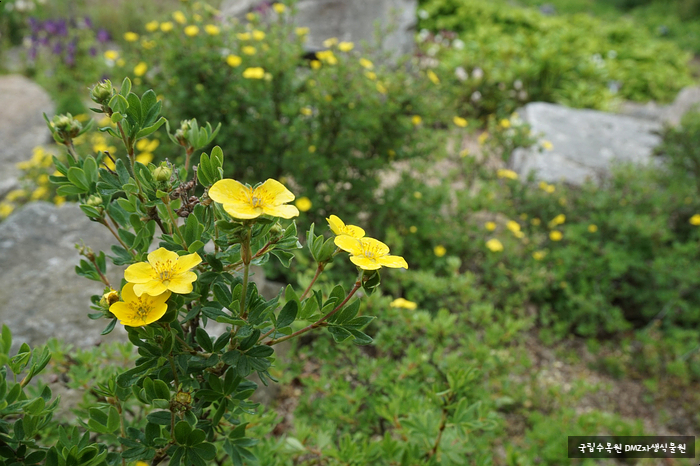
482	138
544	186
258	35
15	194
490	226
192	30
111	55
140	69
369	253
315	64
6	209
59	200
416	120
152	26
592	228
301	31
254	73
505	173
558	220
196	16
505	123
536	221
327	56
364	63
413	229
380	88
131	36
109	298
494	245
121	62
39	193
555	235
402	303
371	75
137	311
433	77
147	145
312	149
248	50
328	43
166	26
303	204
233	60
695	219
547	145
464	153
243	36
165	271
144	158
523	216
338	227
244	202
519	234
279	7
212	30
513	226
538	255
417	194
180	17
346	46
459	121
308	111
148	44
439	250
251	16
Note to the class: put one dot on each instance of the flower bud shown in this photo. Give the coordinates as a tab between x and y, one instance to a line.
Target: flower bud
95	200
181	133
102	92
66	126
109	298
162	173
276	230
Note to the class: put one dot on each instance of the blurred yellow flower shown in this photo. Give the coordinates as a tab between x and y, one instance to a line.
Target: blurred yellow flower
111	55
328	43
312	149
505	173
192	30
301	31
505	123
555	235
243	36
6	209
248	50
439	250
402	303
140	69
308	111
59	200
490	226
315	64
413	229
179	17
121	62
279	7
346	46
381	88
695	219
147	145
536	221
459	121
558	220
15	194
131	36
148	44
371	75
523	216
258	35
538	255
513	226
196	16
212	30
251	16
364	63
547	145
592	228
233	60
166	26
544	186
254	73
327	56
463	153
494	245
433	77
416	120
144	158
152	26
303	204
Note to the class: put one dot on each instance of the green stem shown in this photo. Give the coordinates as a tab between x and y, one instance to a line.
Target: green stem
174	221
71	150
105	223
174	369
132	159
357	286
319	269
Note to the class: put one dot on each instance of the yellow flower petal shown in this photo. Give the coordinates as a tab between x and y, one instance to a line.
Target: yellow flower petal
225	191
395	262
182	283
136	311
282	211
243	211
349	244
280	194
188	261
162	255
141	272
365	263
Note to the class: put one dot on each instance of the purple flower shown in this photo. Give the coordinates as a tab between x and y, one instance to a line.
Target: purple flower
70	59
102	36
51	27
32	53
57	48
88	22
72	46
93	51
62	28
34	24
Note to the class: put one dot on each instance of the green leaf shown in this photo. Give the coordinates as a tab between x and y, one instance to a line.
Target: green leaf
78	178
182	431
204	340
6	341
195	246
147	131
339	333
126	87
288	314
90	169
118	103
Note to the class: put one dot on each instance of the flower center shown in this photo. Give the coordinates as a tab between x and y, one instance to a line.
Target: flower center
141	310
164	271
256	201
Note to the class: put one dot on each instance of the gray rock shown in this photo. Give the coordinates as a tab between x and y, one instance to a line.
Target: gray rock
22	126
687	99
349	20
585	142
41	296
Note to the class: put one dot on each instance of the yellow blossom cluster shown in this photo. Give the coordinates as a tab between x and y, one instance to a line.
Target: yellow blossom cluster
366	253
